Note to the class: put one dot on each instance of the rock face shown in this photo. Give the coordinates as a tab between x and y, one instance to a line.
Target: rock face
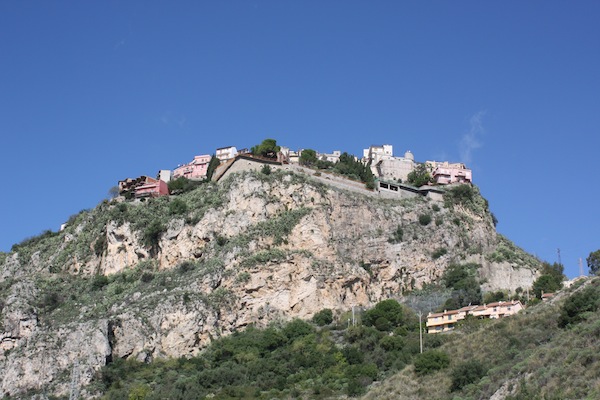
252	249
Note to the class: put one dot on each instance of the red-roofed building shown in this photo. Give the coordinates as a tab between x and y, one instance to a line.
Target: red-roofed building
443	322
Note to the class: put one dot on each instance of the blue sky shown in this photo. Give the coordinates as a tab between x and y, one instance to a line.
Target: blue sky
93	92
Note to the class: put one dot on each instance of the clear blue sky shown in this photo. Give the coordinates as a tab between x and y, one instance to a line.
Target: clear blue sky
93	92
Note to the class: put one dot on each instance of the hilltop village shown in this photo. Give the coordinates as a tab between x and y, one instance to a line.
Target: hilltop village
391	172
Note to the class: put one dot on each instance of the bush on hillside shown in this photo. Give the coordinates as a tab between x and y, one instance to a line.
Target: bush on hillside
424	219
579	305
550	281
431	361
466	373
462	279
385	316
177	207
323	317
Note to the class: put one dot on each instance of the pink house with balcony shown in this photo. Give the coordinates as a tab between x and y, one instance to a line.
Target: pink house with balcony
144	186
445	173
195	170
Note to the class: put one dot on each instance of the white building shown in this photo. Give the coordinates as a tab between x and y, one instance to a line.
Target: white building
376	153
331	157
226	153
164	175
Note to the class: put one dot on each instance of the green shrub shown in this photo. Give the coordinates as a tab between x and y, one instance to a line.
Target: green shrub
99	281
386	315
221	240
466	373
182	185
50	301
430	361
437	253
177	207
243	277
580	304
147	277
266	170
366	267
185	266
397	235
323	317
152	233
100	245
424	219
297	328
435	208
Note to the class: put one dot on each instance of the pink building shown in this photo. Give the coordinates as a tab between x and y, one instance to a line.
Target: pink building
195	170
152	188
144	186
445	173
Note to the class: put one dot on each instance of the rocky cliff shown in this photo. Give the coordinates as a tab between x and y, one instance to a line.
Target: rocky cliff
163	277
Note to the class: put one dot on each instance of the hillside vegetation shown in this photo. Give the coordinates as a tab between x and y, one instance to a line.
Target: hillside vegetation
164	278
548	351
527	356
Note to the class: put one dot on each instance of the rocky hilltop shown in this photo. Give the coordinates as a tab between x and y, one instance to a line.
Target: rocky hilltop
162	278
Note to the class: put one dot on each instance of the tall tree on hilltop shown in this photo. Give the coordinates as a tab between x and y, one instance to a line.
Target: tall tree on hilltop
308	157
268	148
551	279
419	176
212	166
593	262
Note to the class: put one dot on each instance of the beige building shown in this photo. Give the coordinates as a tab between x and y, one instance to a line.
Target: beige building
396	168
376	153
443	322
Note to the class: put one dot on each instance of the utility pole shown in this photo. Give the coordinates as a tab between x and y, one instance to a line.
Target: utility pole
580	267
559	260
74	395
420	331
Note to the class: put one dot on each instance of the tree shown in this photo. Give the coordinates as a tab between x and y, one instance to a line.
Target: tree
466	290
268	148
550	280
323	317
593	262
385	316
212	166
419	176
113	192
348	165
182	185
308	157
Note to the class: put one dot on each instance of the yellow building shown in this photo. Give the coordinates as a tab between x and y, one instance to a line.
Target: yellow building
444	321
